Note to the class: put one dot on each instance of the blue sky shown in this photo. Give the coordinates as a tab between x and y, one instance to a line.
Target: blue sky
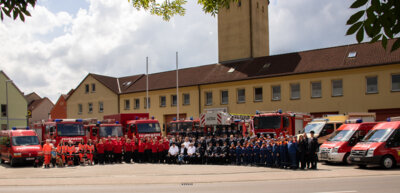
64	40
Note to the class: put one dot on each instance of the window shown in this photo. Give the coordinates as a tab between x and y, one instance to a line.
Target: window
241	95
316	90
101	107
86	88
295	91
372	84
163	101
337	88
80	108
258	94
208	98
90	107
396	82
137	103
93	87
276	93
224	97
4	110
173	100
145	102
186	99
127	104
240	3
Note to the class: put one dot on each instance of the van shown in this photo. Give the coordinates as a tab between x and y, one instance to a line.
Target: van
20	146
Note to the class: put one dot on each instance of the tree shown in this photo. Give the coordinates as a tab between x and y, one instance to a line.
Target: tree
380	20
18	8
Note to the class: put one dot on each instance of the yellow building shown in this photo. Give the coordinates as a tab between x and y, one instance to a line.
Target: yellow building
17	104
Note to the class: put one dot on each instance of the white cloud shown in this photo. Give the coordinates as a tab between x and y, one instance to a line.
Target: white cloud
53	51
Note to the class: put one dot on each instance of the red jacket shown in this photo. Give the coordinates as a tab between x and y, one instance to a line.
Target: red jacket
148	145
108	146
118	147
128	147
154	147
100	148
160	147
141	147
166	145
134	146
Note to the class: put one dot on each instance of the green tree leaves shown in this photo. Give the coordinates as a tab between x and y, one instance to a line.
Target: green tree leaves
15	8
379	20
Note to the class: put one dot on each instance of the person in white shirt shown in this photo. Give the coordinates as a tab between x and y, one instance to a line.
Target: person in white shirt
186	143
191	153
173	153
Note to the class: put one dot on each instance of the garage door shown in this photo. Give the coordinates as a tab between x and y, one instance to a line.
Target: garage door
383	114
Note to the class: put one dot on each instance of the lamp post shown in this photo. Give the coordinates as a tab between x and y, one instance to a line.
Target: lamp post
8	124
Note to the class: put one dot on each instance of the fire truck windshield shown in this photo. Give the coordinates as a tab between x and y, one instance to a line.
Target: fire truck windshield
148	128
181	125
342	135
378	135
316	127
25	140
111	131
267	122
70	129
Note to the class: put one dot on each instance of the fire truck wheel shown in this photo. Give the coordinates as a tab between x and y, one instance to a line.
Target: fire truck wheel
12	162
1	161
346	159
388	162
362	166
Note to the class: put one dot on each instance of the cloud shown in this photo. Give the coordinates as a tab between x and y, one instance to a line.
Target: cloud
55	49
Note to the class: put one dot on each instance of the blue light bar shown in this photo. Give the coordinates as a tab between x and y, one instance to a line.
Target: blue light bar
359	121
191	118
116	122
388	119
98	122
257	112
14	128
280	111
27	128
174	118
152	117
58	120
79	120
136	118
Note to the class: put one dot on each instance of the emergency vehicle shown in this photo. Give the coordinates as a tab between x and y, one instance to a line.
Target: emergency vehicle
338	147
277	123
381	146
61	129
216	119
175	126
324	127
123	119
143	128
103	129
20	146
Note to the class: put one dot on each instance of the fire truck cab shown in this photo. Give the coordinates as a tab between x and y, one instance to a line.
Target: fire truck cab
20	146
102	130
277	123
381	146
124	118
338	147
61	129
175	127
142	128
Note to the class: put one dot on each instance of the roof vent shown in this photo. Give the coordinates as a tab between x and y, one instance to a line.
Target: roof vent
267	65
231	70
127	83
352	54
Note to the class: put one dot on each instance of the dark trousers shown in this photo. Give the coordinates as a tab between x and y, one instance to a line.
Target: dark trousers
302	160
313	161
108	156
100	157
293	160
128	157
172	159
117	157
140	157
147	155
135	156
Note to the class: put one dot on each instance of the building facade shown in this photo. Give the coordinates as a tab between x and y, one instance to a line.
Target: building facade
59	111
17	104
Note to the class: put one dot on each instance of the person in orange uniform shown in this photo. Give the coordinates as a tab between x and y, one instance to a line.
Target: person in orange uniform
47	153
81	151
60	154
90	151
70	153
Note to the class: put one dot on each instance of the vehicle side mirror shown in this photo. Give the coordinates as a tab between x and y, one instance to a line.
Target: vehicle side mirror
389	143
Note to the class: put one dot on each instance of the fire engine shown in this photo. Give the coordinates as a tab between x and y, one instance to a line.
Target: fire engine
103	129
124	118
142	128
216	119
175	126
277	123
61	129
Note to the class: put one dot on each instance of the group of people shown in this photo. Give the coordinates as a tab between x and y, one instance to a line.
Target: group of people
211	148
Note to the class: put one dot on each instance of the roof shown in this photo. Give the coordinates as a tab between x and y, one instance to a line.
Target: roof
5	75
35	103
319	60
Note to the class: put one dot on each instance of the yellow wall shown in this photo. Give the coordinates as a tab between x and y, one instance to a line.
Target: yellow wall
17	105
102	94
158	112
236	33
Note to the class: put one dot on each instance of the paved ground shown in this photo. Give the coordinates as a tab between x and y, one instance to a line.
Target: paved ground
197	178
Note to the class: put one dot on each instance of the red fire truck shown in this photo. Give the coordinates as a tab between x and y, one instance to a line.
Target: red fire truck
103	130
124	118
61	129
144	128
277	123
175	126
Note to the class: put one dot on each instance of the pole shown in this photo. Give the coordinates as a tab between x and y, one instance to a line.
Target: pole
8	124
147	84
177	91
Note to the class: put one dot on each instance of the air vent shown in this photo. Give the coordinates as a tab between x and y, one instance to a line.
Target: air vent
231	70
352	54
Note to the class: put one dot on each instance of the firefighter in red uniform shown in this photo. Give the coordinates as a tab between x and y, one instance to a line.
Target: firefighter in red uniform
154	150
117	150
141	150
166	148
135	148
90	151
128	149
160	150
108	145
100	151
70	153
147	150
47	153
81	151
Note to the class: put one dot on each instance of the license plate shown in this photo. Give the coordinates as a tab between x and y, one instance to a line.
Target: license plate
324	155
30	158
356	159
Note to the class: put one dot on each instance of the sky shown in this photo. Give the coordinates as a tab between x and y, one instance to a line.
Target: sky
52	51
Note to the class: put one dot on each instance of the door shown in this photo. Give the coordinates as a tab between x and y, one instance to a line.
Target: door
394	143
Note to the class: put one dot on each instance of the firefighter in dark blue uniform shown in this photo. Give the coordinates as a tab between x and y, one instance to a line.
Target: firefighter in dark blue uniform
276	156
239	152
263	154
269	155
256	153
232	154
